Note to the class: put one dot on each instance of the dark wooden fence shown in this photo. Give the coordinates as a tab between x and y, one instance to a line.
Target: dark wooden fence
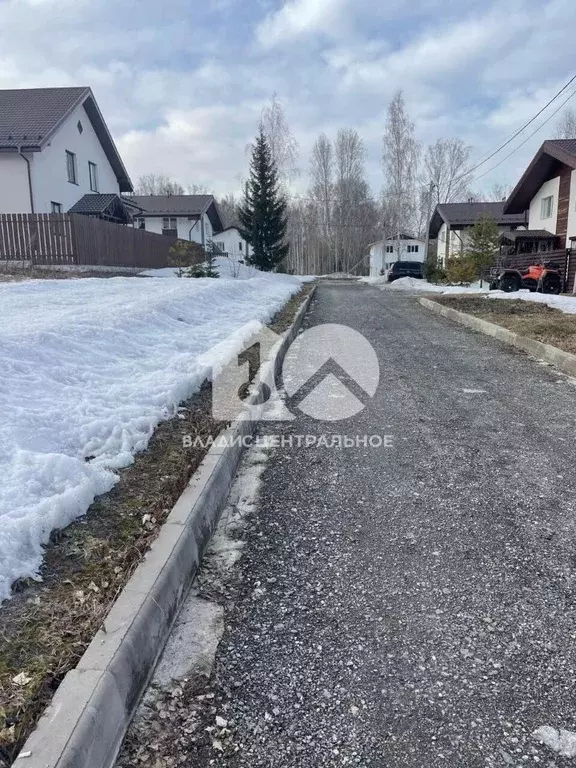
50	239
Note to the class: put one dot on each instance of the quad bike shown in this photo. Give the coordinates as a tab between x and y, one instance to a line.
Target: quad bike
544	278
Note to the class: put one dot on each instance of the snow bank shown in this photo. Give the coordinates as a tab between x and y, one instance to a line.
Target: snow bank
566	304
227	268
90	367
413	284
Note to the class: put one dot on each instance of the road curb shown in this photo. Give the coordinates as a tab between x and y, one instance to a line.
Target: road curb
85	722
564	361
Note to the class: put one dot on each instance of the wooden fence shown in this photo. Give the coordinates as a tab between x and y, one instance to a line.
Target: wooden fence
51	239
564	259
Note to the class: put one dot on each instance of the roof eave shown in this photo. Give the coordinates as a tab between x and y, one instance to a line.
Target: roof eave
98	123
517	201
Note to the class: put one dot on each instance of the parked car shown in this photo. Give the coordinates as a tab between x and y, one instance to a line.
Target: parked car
405	269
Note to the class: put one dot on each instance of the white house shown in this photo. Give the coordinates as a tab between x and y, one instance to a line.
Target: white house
231	242
54	148
189	217
547	190
452	222
402	248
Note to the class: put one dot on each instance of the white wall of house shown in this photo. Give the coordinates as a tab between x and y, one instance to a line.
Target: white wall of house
550	188
571	212
384	254
187	229
49	170
14	189
231	242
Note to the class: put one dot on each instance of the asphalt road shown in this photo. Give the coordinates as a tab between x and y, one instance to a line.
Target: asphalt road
411	606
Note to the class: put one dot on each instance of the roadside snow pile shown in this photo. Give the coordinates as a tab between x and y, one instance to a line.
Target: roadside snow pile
413	284
227	268
566	304
89	368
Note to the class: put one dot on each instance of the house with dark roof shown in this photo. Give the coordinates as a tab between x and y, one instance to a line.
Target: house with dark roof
547	190
55	148
451	224
231	242
189	217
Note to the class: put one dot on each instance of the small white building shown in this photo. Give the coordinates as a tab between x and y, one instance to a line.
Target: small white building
55	148
231	242
384	253
189	217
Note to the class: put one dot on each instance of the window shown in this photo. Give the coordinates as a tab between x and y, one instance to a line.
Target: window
71	167
93	173
240	246
413	248
546	207
389	249
79	126
140	223
170	226
56	207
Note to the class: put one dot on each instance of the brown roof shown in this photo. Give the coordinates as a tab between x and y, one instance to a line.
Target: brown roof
29	117
467	214
547	163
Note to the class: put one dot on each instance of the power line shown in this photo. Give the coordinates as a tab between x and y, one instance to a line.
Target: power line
525	140
519	131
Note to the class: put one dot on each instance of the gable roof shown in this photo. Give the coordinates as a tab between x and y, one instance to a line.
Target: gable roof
546	164
180	205
29	117
109	206
467	214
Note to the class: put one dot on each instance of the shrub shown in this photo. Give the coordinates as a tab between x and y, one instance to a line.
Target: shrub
185	253
461	271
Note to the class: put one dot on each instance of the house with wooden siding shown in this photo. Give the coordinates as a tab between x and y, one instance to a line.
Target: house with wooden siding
547	190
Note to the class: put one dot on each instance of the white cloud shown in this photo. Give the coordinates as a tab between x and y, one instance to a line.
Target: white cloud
302	18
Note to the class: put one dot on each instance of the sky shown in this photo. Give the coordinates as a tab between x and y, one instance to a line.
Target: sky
182	83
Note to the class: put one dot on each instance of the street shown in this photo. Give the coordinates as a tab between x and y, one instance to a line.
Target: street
414	605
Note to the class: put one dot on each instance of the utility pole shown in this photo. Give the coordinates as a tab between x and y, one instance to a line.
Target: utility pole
431	190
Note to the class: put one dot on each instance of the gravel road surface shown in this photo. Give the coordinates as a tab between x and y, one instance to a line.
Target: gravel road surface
410	606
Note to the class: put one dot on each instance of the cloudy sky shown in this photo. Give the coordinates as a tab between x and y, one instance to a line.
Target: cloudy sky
182	83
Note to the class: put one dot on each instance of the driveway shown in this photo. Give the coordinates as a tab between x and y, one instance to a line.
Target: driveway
410	606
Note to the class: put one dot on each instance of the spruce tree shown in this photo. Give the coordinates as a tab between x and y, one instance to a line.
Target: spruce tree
262	213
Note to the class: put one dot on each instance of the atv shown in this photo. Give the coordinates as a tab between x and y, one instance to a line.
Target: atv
542	278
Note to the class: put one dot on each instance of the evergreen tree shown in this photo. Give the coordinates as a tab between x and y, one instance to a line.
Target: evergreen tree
484	243
262	213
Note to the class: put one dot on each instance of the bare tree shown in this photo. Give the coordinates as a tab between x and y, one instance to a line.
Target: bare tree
322	187
158	184
498	192
198	189
446	166
566	126
283	145
228	206
400	158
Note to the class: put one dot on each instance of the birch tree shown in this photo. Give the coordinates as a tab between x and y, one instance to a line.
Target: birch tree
283	146
400	158
446	166
158	184
566	126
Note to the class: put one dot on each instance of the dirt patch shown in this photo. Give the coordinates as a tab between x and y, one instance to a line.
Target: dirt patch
47	626
531	319
10	274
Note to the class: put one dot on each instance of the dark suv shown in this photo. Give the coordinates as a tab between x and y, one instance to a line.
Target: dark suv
405	269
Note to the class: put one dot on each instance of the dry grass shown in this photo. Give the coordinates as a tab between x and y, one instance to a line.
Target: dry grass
46	627
531	319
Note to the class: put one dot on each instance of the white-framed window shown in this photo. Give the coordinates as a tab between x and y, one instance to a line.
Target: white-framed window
93	174
169	225
56	207
413	248
71	167
140	222
221	245
546	206
389	249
